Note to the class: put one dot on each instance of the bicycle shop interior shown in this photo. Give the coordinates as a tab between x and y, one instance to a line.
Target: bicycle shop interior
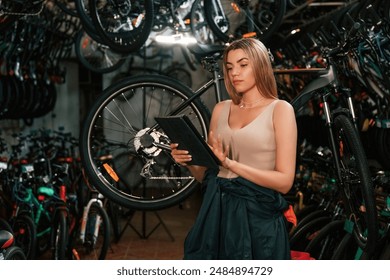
58	56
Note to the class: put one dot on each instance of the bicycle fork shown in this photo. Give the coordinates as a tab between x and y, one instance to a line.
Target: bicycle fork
96	224
329	124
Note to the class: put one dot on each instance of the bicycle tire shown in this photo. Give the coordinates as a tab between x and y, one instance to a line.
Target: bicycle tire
302	237
234	19
357	184
96	250
59	235
123	116
116	24
14	253
25	234
322	246
309	217
346	249
199	26
82	8
95	56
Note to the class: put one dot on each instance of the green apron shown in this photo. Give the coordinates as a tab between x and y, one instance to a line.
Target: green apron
238	220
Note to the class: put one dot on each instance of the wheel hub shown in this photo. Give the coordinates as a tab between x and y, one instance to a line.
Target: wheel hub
143	141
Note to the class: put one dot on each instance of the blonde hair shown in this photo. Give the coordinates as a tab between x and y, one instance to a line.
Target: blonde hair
260	62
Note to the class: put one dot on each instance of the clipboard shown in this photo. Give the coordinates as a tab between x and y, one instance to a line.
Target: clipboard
181	130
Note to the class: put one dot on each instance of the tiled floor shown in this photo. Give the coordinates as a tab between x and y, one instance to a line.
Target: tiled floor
154	241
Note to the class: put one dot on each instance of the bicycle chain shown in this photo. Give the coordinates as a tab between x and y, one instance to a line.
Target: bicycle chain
25	14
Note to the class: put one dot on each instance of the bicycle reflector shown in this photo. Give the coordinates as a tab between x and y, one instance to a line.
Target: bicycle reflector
111	172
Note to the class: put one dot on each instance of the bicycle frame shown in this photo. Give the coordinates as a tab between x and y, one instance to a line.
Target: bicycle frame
211	65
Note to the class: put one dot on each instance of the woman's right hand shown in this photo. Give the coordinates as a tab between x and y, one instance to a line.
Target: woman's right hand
182	157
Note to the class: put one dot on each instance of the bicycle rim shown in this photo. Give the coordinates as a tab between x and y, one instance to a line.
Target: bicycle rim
135	172
232	19
96	56
356	183
124	26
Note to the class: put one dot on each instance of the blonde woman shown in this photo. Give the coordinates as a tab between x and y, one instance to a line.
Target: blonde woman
254	135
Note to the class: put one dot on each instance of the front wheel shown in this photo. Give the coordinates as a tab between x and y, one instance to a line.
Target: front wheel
96	241
59	235
14	253
25	233
356	183
124	151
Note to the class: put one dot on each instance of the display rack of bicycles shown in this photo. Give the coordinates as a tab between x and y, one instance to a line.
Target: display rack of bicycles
46	202
333	67
323	230
361	31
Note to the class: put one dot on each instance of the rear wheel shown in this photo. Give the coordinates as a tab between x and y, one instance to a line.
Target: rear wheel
122	148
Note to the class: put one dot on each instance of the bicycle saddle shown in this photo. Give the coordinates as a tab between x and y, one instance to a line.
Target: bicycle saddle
200	50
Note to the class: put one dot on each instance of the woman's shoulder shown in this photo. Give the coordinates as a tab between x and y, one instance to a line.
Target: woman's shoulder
283	109
281	104
222	104
218	108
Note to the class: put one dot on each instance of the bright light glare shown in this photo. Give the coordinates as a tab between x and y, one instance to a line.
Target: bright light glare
175	39
295	31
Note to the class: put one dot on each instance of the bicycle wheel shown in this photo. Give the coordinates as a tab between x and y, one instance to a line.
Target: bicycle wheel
14	253
301	238
356	183
233	19
199	26
123	25
310	216
25	233
138	171
346	250
95	56
322	246
59	235
97	235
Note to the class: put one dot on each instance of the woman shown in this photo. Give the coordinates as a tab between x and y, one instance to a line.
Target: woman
254	135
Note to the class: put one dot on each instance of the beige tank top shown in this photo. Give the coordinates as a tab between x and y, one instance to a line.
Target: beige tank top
253	144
